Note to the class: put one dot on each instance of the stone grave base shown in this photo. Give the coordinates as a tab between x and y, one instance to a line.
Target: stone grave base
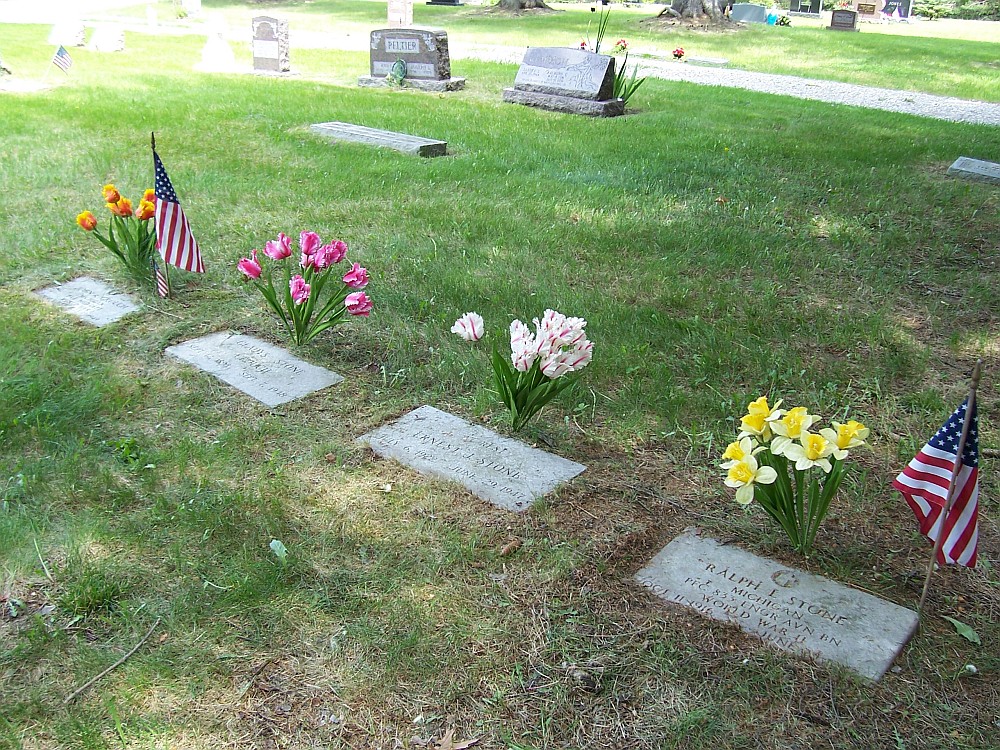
11	85
275	73
420	84
572	105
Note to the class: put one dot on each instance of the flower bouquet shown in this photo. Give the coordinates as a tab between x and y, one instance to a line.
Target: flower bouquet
791	472
540	362
298	297
130	234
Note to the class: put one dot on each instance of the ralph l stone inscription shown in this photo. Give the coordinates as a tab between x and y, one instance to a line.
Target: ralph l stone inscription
503	471
90	300
794	610
269	374
566	80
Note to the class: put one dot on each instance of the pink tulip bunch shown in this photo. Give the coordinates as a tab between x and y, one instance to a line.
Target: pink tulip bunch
297	299
539	360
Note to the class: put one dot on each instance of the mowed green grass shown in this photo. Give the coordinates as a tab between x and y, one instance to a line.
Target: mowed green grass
721	245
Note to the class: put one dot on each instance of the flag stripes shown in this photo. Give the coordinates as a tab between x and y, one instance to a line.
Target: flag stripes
62	60
174	238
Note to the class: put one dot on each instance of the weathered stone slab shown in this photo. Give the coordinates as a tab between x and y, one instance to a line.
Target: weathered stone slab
270	45
90	300
844	20
408	144
789	608
379	82
108	38
503	471
566	72
748	13
269	374
607	108
716	62
975	169
69	33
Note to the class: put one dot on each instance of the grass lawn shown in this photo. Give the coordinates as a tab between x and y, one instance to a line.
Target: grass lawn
721	244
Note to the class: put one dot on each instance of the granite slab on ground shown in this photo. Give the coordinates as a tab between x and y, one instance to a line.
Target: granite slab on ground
796	611
90	300
504	471
975	169
408	144
259	369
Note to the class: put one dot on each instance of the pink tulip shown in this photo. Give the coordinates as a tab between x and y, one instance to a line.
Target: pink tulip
358	303
469	326
357	277
299	289
330	253
309	242
249	266
278	249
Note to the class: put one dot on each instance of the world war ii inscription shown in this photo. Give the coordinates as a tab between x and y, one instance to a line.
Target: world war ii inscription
269	374
794	610
503	471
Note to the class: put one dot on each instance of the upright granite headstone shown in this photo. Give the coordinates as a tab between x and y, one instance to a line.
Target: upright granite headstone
976	170
844	20
270	45
806	7
897	9
90	300
503	471
107	38
566	80
789	608
68	33
748	13
423	51
269	374
400	14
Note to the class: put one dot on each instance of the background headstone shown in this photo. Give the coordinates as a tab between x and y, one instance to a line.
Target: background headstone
868	9
748	13
844	20
107	38
425	52
68	34
270	45
975	169
90	300
809	7
400	14
566	80
789	608
268	373
897	8
452	3
504	471
217	56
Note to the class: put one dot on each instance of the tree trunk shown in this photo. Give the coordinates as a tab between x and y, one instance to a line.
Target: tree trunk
516	5
695	9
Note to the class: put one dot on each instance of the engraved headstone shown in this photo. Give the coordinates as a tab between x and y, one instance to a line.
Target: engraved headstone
408	144
844	20
503	471
748	13
269	374
90	300
975	169
270	45
107	38
806	7
400	14
566	80
68	33
796	611
868	10
423	51
896	9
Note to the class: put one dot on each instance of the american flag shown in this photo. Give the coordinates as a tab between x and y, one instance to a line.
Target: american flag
925	481
162	285
174	240
62	60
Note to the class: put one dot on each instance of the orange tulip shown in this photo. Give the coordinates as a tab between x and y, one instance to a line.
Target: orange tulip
87	220
111	194
145	210
149	195
122	208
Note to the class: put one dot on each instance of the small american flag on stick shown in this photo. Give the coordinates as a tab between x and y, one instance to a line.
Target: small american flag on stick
62	60
174	239
162	283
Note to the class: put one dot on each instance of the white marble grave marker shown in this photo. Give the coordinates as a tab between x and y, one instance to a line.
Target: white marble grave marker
269	374
503	471
90	300
400	14
794	610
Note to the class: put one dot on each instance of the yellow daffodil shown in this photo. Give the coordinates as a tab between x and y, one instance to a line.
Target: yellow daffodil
811	450
789	426
744	474
844	436
757	421
739	450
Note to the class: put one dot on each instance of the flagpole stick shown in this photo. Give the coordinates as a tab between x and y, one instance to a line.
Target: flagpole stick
950	500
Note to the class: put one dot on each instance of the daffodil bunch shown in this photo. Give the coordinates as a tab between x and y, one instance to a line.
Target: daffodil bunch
297	298
130	233
791	472
540	362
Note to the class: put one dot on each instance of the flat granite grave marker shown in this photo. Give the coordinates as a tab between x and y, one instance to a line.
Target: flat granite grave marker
408	144
269	374
975	169
504	471
566	80
90	300
748	13
270	45
425	53
844	20
794	610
